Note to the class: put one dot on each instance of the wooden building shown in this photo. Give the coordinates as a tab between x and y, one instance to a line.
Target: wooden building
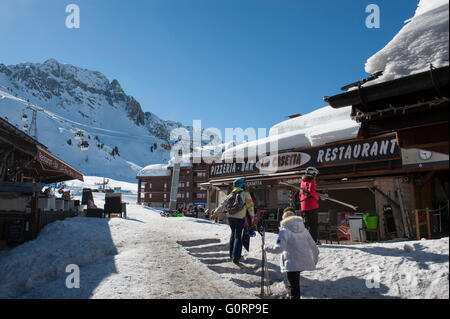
25	167
374	174
154	185
416	107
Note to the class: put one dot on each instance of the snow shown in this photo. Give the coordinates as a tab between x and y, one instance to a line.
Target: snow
149	256
421	42
155	170
94	182
322	126
82	100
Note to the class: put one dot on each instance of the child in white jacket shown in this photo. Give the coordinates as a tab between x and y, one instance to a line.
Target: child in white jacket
297	248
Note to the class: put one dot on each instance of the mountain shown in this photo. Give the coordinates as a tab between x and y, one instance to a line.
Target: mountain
75	105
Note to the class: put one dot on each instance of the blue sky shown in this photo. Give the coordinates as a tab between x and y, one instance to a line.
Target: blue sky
229	63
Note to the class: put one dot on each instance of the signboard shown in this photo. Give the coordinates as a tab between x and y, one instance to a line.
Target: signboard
338	154
49	161
370	150
417	159
282	162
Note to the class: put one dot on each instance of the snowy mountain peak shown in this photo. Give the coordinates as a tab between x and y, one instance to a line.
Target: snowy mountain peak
75	99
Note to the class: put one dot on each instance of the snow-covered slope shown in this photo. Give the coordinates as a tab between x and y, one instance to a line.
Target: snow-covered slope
421	42
70	99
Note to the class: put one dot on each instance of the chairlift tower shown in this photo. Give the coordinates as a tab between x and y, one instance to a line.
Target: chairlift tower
33	125
174	186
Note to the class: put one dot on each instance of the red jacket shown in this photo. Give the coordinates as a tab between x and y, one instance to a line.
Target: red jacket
309	202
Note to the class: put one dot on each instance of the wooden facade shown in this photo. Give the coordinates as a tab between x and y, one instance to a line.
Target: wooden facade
372	181
25	167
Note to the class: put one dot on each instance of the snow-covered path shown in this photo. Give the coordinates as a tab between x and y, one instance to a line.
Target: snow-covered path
149	256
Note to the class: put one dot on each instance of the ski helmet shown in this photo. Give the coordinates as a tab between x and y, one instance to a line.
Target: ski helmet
312	171
240	182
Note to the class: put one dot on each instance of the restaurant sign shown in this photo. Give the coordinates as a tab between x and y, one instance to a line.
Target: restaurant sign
50	162
352	152
369	150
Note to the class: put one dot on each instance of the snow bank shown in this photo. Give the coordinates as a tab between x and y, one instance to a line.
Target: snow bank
325	125
155	170
421	42
73	241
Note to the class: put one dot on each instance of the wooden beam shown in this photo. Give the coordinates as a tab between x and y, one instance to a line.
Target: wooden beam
432	136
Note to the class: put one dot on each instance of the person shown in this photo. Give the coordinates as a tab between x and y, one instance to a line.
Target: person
237	221
66	195
91	204
297	248
309	201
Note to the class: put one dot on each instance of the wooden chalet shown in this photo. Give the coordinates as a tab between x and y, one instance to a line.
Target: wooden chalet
416	107
25	167
375	174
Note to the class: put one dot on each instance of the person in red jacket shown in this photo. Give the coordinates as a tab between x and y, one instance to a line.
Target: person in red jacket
310	202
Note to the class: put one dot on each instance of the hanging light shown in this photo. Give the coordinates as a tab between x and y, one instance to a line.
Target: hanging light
24	117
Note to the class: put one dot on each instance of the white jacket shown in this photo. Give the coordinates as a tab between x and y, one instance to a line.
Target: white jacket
298	249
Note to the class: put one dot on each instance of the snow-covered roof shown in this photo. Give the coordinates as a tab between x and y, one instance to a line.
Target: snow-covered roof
154	170
325	125
421	42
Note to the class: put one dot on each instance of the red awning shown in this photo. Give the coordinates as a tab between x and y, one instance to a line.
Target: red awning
51	163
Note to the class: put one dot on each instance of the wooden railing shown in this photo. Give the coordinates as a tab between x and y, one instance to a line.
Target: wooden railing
423	217
18	227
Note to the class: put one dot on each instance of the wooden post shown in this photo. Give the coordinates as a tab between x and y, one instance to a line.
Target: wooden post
416	212
428	223
139	191
34	218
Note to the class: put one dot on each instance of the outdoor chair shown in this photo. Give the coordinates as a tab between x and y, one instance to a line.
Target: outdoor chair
331	228
86	196
95	212
114	205
367	231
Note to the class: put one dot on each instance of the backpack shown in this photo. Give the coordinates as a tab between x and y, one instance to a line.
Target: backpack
234	204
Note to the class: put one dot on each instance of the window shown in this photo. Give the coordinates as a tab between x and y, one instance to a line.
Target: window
150	185
143	184
165	186
201	174
187	184
165	196
181	185
187	195
150	195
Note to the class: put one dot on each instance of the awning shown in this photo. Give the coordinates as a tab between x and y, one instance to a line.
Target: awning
55	167
252	178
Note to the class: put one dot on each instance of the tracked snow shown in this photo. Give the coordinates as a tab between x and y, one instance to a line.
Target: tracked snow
149	256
